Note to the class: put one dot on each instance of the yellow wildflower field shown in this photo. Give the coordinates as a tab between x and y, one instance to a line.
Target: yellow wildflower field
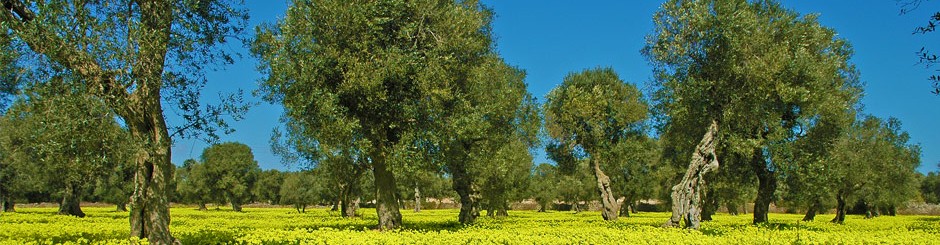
319	226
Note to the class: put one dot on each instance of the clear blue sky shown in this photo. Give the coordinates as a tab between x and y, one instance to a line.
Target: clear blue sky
551	38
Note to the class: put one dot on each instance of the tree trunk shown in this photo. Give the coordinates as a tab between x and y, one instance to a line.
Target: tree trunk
709	206
767	185
462	185
236	207
686	196
417	199
143	113
811	212
625	207
501	210
6	204
608	200
351	207
120	207
350	196
732	208
840	209
202	206
150	213
70	202
386	208
870	211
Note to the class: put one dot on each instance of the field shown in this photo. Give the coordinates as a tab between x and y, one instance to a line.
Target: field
318	226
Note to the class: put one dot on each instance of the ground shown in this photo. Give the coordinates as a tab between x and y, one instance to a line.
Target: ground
319	226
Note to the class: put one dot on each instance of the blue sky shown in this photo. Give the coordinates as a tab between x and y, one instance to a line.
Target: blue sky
551	38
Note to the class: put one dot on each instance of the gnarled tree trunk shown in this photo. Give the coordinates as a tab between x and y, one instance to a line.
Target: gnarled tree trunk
609	203
120	207
202	206
811	212
462	183
767	185
840	208
70	202
386	207
150	212
686	196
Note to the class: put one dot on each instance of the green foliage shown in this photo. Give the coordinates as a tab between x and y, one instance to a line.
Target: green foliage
268	187
874	162
193	184
231	170
543	185
302	189
54	129
930	188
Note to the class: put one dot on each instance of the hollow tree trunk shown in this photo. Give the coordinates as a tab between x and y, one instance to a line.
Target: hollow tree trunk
686	196
70	202
811	212
767	185
840	209
609	203
386	208
417	198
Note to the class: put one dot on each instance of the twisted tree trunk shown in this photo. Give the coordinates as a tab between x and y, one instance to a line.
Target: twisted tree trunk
686	196
767	185
840	209
609	203
350	196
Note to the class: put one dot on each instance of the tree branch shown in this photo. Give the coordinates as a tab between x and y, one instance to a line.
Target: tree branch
56	49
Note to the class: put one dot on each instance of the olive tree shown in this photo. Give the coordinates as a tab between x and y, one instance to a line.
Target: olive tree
591	113
748	77
137	57
232	171
64	132
366	74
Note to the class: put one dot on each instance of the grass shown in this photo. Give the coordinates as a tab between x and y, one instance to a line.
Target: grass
318	226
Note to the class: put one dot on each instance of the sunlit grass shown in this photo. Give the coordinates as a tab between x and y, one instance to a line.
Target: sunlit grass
319	226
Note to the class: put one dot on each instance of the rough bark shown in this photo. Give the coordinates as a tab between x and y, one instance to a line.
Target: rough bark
70	202
417	199
767	185
387	208
811	211
350	196
686	196
462	185
501	211
709	206
202	206
120	207
840	209
609	203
